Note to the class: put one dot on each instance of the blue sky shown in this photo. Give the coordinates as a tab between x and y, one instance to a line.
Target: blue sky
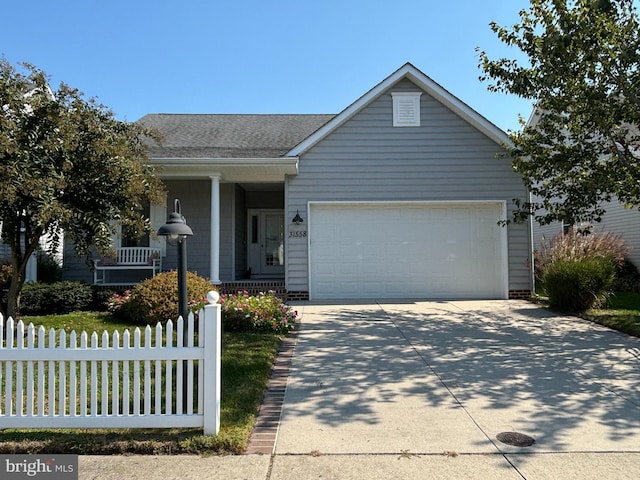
247	56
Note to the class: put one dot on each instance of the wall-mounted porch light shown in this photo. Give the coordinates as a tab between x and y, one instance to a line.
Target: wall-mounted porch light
297	219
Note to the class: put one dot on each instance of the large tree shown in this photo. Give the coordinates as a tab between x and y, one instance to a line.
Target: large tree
581	148
66	164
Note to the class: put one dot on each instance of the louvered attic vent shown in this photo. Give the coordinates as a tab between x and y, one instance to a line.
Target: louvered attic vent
406	109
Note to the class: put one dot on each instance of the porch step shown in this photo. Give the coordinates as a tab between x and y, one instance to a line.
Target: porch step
254	287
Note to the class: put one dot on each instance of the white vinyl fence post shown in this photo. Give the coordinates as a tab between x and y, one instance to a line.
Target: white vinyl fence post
212	350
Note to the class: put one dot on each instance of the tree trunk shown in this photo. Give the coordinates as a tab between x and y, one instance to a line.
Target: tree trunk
13	298
19	259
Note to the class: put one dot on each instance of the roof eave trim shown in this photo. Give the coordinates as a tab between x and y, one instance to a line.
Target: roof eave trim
268	169
223	162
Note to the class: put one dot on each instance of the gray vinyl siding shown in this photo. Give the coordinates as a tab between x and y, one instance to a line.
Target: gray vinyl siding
544	233
195	197
74	268
195	202
625	222
227	233
241	233
367	159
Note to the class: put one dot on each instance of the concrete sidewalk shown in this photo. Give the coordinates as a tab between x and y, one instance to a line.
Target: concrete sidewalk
422	390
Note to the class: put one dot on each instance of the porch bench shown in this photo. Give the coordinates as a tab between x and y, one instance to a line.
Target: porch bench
128	258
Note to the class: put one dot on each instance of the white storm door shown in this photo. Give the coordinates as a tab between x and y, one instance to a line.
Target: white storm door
266	242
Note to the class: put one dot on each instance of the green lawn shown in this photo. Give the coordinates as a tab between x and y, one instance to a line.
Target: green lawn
246	365
622	313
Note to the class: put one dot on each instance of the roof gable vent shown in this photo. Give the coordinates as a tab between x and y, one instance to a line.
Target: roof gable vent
406	109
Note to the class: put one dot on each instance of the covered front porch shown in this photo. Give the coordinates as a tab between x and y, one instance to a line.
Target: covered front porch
237	213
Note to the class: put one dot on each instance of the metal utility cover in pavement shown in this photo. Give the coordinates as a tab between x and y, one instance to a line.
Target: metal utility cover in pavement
516	439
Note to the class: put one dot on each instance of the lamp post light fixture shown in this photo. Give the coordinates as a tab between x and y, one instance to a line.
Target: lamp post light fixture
176	230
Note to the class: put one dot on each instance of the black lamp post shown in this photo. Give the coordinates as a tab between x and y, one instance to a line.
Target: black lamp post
176	230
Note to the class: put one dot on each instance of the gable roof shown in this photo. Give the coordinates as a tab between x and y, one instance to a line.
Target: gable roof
191	136
432	88
270	136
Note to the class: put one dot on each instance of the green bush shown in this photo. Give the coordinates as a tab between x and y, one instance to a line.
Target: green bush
156	299
262	313
49	271
5	275
627	278
102	296
577	285
54	298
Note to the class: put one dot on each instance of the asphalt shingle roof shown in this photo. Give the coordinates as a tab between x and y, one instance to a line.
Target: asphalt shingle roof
230	135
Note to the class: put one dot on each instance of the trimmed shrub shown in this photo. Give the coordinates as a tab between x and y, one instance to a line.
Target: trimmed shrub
54	298
577	285
156	299
265	312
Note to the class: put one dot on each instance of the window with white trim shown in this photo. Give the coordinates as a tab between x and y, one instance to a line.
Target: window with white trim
406	109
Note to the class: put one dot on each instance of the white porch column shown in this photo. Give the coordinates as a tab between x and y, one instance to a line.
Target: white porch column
215	229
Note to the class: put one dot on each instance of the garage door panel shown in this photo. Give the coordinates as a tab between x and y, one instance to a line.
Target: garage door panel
406	250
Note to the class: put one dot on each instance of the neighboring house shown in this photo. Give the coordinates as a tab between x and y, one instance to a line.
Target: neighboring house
618	219
397	196
625	222
31	273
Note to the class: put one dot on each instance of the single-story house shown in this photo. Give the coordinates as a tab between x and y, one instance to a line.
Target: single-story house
400	195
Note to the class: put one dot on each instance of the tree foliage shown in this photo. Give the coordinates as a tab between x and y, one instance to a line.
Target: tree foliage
66	164
582	146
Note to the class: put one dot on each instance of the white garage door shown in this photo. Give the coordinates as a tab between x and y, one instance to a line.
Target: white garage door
407	250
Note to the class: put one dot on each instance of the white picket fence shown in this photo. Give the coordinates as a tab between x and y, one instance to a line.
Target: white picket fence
49	380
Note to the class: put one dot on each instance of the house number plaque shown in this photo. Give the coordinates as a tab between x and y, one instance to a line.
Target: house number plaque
297	232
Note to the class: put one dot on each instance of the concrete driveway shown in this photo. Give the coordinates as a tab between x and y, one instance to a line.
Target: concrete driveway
407	388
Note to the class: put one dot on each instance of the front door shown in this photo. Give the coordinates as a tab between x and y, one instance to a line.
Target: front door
266	243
